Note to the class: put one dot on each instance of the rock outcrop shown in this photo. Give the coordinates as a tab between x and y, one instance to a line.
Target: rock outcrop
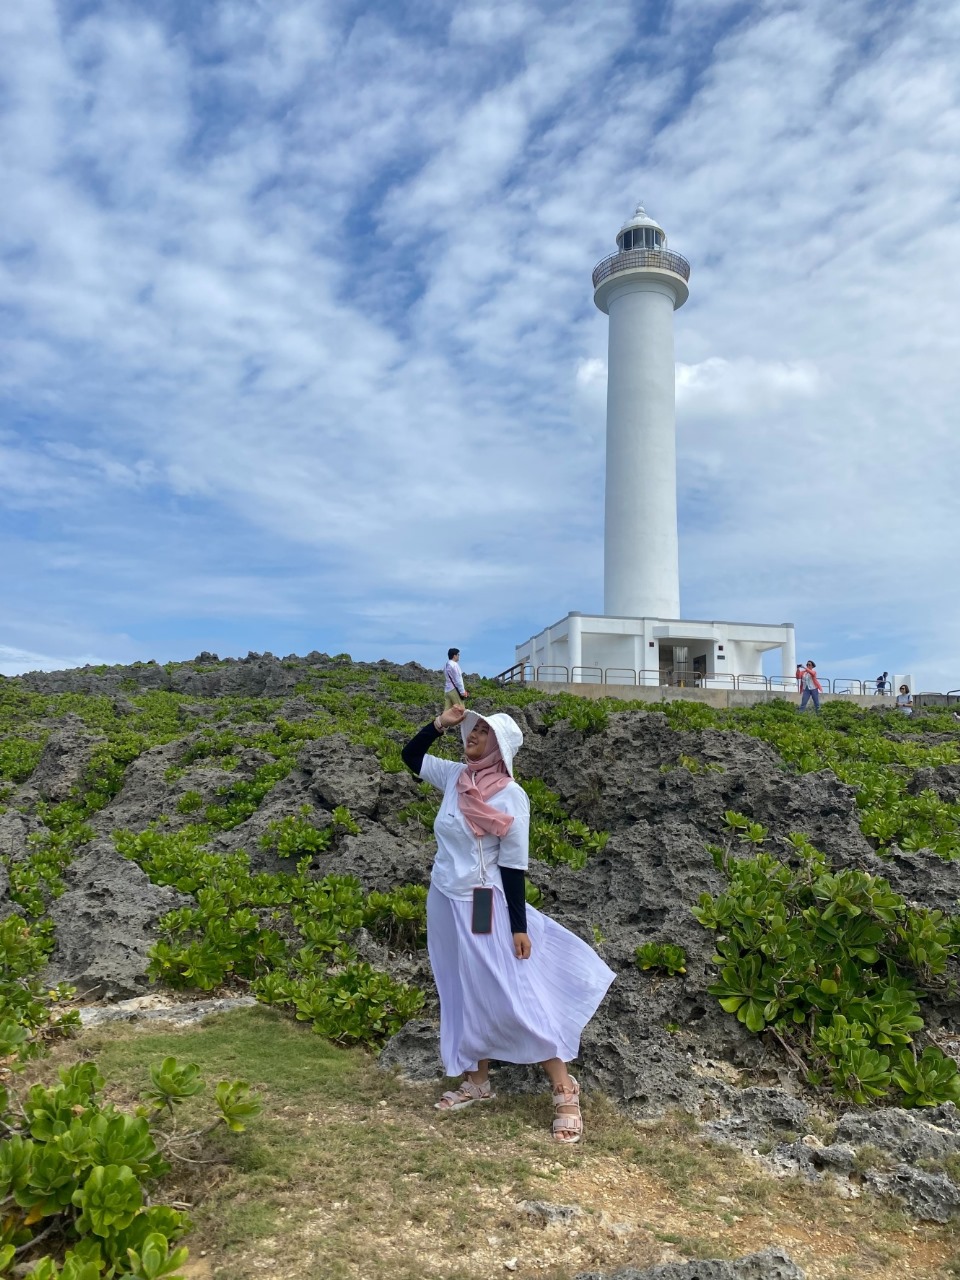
657	1042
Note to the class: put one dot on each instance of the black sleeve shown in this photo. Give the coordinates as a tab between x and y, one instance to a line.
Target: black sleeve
418	746
514	890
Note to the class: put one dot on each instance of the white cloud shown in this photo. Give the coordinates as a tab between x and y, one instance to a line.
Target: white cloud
14	662
717	386
296	305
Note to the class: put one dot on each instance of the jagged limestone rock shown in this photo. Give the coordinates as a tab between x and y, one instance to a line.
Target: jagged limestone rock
770	1264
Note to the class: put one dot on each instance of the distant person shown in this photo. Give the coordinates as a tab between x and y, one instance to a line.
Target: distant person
454	693
812	688
882	682
801	672
905	701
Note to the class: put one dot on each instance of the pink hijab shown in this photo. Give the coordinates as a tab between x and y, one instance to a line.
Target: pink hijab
480	780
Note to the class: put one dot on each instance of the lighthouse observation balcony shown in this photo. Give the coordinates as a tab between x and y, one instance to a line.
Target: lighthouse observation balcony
637	259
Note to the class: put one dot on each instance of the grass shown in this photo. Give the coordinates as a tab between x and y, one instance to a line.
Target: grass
349	1174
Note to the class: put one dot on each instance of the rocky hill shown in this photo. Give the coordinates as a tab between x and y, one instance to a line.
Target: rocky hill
192	825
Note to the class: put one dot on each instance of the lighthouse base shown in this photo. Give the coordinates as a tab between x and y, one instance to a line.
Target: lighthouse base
585	649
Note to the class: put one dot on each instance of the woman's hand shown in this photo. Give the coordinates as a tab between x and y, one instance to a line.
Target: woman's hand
452	715
521	946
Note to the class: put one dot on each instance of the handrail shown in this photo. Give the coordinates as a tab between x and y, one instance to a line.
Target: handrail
620	671
656	677
549	679
845	680
632	259
706	679
685	677
583	670
517	674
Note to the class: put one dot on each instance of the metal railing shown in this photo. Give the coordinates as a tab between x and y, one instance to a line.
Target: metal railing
553	679
849	686
688	678
517	674
619	675
632	259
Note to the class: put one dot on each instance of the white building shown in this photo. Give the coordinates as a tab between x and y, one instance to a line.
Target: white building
641	636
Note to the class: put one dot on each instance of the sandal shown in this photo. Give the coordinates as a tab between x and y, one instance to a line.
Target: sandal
465	1096
567	1126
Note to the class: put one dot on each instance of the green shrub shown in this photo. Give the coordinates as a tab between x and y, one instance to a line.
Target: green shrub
73	1165
30	1013
399	917
555	837
692	765
295	836
286	934
661	955
19	757
831	962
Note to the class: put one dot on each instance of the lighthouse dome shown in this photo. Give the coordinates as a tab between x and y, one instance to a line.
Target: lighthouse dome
641	232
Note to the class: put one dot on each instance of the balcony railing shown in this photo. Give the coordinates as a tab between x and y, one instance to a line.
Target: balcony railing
633	259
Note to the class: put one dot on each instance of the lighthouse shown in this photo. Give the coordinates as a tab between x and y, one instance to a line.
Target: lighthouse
639	287
641	637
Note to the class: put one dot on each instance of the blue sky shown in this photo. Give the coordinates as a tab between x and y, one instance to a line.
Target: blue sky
298	348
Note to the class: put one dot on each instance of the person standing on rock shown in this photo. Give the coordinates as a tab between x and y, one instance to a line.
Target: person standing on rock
453	691
905	701
811	687
514	985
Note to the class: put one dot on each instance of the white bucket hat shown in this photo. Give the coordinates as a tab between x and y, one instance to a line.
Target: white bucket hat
505	729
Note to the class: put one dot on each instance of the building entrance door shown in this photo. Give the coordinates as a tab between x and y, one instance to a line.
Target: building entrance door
673	664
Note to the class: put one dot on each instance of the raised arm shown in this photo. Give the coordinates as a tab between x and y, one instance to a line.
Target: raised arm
418	746
414	755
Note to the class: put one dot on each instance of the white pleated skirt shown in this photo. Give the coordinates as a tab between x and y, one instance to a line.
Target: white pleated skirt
493	1005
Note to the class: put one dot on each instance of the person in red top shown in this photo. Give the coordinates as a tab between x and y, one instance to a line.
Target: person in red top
811	687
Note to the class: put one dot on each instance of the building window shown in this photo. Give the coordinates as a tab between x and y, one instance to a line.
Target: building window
642	238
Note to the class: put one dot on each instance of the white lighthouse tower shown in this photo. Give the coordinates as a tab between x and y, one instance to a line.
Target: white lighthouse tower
641	638
639	288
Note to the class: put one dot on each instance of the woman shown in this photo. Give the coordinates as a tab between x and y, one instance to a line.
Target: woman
517	987
905	701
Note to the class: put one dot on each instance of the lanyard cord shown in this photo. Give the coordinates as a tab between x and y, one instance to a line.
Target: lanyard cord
483	869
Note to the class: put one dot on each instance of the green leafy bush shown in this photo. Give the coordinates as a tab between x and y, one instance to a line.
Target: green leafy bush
831	962
286	934
555	837
76	1168
692	765
589	715
295	836
30	1013
400	917
19	757
661	955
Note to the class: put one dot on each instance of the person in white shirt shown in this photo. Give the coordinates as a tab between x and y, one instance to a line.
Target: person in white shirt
453	690
514	985
905	701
